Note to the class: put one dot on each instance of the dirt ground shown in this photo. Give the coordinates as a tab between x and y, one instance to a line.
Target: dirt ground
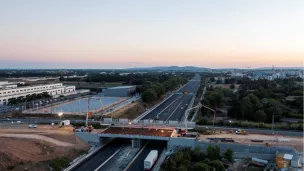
130	111
133	110
34	148
296	142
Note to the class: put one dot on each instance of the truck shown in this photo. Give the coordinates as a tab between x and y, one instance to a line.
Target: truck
150	160
64	123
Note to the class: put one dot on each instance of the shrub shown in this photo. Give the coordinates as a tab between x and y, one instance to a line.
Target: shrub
59	163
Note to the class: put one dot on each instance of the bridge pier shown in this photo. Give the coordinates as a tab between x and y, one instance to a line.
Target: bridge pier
136	143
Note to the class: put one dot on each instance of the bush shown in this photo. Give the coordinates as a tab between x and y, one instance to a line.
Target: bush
229	155
213	152
59	163
218	165
10	167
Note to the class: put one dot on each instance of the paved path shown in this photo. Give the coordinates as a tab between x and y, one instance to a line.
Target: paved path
38	137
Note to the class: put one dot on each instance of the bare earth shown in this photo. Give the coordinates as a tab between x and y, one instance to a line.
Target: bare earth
130	111
33	148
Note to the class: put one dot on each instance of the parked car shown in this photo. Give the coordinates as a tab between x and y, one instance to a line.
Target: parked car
32	126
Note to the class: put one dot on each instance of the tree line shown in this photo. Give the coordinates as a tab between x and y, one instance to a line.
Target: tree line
151	91
195	160
258	100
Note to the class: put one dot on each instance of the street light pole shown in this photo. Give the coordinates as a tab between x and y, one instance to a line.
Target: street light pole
199	106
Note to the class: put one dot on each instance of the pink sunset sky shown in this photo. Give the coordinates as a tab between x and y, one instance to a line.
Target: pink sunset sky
125	33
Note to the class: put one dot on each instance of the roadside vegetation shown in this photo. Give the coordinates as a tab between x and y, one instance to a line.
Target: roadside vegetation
255	103
195	160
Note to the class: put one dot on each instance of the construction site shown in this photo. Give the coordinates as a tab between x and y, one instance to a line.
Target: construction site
23	148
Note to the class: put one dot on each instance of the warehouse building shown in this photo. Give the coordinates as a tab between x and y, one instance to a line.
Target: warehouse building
51	89
120	91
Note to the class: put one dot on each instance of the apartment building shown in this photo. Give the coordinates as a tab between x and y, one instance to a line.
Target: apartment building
51	89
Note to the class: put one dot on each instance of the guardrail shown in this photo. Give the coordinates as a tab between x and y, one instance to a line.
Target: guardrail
90	154
161	159
202	97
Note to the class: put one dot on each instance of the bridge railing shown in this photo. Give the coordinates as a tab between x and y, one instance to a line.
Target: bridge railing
144	123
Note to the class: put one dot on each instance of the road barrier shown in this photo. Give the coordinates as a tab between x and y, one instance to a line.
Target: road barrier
86	157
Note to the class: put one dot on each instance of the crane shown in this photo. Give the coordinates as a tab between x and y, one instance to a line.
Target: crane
87	117
198	106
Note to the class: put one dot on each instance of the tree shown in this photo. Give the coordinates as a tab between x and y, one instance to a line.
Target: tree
201	167
149	95
260	116
232	86
218	165
229	155
213	152
61	78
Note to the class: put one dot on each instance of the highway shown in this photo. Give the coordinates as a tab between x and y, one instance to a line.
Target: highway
174	108
138	163
100	157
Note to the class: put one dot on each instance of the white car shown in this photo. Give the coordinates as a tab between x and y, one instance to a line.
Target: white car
32	126
18	122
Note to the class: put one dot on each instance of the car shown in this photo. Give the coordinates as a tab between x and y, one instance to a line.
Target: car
32	126
18	122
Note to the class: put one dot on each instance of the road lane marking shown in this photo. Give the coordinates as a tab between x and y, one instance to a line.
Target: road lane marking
108	159
130	164
174	111
168	106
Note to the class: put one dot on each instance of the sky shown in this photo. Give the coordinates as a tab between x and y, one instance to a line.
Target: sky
144	33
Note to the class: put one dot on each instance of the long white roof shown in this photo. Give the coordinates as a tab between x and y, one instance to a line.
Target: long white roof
151	155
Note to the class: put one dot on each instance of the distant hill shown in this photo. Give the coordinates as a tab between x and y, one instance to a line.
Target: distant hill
171	68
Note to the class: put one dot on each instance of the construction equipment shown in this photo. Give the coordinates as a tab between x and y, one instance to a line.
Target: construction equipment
241	132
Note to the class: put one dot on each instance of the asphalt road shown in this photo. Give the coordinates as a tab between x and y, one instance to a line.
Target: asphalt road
100	157
174	108
138	164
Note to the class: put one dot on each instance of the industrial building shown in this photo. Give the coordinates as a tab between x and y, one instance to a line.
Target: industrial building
7	93
120	91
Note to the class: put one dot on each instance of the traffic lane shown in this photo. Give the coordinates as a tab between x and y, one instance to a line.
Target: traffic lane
171	109
138	164
161	107
255	131
191	87
180	112
97	159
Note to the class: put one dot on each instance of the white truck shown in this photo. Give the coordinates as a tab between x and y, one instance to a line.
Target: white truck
65	123
150	159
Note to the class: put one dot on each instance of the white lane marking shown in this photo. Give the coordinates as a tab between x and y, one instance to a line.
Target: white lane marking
174	111
168	106
108	159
